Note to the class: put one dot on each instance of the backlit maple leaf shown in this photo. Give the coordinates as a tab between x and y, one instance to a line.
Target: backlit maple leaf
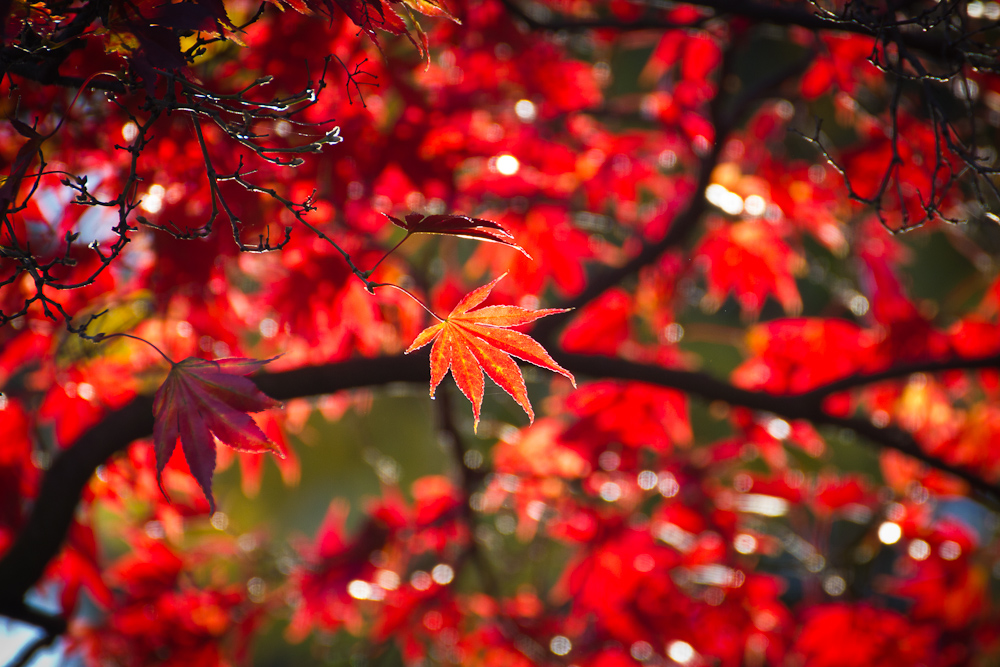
203	400
457	225
470	342
430	8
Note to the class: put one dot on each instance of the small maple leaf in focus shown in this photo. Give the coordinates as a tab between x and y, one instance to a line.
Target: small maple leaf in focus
457	225
472	341
203	400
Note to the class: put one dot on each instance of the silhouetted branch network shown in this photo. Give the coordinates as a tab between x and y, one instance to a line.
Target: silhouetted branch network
148	102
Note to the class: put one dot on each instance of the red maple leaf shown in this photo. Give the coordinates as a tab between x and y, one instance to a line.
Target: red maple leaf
470	342
201	401
456	225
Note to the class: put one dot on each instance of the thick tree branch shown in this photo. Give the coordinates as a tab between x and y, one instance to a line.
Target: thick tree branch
680	229
915	36
903	370
43	534
50	625
725	119
804	406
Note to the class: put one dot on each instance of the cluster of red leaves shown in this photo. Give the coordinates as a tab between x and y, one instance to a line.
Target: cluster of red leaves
373	581
160	616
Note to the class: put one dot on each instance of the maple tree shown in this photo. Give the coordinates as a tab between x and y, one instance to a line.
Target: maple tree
754	242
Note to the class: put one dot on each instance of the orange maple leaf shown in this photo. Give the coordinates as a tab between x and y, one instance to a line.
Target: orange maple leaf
201	401
472	341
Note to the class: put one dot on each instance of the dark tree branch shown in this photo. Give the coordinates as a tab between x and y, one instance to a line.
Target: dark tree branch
903	370
680	229
43	533
473	553
804	406
725	120
52	626
42	537
915	35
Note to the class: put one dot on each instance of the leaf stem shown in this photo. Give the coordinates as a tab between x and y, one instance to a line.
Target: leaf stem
407	293
370	271
104	337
